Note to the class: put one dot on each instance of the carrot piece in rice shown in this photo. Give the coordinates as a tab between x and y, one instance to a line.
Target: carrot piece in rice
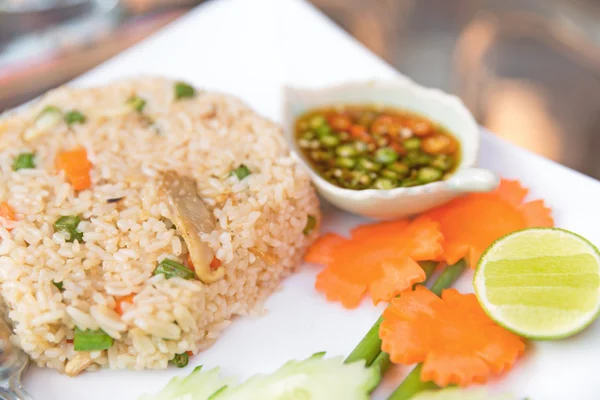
76	167
122	300
7	213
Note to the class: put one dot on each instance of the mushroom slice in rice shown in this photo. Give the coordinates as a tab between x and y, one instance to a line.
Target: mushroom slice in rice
192	217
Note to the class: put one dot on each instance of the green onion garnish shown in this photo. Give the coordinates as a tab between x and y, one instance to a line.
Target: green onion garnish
172	269
183	90
181	360
311	223
24	161
59	285
74	117
136	103
241	172
69	223
90	340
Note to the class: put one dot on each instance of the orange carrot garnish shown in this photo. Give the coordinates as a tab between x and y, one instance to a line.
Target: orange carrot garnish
122	300
452	336
76	166
379	258
472	223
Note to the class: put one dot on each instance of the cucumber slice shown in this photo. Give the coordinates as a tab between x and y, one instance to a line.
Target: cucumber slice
199	385
315	378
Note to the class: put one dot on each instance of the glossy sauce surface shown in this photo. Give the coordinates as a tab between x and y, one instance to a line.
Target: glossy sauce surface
371	147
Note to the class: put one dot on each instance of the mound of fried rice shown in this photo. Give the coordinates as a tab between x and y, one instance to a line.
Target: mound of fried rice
126	224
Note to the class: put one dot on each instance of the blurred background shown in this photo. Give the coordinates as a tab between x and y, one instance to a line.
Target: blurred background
529	70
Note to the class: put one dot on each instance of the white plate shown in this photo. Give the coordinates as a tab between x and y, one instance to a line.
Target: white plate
250	48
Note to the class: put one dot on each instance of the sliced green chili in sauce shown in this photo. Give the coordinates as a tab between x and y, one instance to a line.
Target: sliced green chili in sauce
24	161
91	340
171	269
68	224
74	117
369	147
181	360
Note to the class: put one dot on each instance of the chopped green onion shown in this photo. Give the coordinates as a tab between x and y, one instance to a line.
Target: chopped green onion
49	117
241	172
24	161
311	223
59	285
74	117
183	90
171	269
136	103
181	360
68	224
90	340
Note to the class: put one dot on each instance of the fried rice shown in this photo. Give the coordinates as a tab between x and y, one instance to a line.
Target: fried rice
51	285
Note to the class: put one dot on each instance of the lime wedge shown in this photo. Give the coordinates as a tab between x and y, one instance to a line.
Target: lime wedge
540	283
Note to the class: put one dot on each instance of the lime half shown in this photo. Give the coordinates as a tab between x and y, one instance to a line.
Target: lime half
540	283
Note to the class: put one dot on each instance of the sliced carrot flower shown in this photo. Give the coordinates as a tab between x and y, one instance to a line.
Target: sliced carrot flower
452	336
472	223
379	258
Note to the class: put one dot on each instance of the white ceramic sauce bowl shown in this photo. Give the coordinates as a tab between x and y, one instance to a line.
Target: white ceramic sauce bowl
434	104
